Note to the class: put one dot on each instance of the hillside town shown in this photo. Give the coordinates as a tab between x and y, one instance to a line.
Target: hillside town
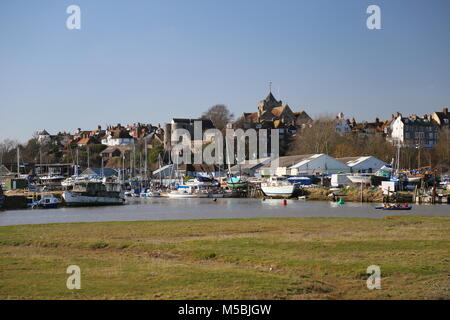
329	151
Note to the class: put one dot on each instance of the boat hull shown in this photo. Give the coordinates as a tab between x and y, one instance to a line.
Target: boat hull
359	179
278	191
76	200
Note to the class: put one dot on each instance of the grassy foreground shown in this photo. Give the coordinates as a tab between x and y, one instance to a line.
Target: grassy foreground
285	258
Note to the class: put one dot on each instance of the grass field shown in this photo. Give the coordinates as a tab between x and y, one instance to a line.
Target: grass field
295	258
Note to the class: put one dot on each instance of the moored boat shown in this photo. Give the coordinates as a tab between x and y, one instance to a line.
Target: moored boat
237	182
47	201
394	207
94	194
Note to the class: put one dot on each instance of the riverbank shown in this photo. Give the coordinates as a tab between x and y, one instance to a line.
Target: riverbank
276	258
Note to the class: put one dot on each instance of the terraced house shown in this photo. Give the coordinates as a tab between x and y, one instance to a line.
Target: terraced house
414	131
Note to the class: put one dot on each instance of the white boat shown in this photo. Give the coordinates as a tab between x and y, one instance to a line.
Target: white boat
278	187
51	178
49	201
358	179
149	194
94	194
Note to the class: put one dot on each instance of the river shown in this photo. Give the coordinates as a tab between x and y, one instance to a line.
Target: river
180	209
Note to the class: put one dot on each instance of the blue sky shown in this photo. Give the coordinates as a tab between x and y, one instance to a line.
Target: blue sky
148	61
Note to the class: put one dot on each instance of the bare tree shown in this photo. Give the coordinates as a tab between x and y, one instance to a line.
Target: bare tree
219	115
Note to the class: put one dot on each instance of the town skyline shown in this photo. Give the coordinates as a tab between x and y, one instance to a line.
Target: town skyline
164	61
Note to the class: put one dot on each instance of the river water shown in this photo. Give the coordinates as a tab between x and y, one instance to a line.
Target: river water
180	209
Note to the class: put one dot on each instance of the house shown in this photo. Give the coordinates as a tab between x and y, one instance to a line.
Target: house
117	137
43	136
414	131
87	141
363	164
442	118
342	125
111	152
365	129
307	164
184	124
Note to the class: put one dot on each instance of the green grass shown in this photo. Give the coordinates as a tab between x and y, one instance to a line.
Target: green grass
277	258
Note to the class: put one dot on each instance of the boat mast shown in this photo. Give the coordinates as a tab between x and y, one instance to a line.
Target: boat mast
145	158
18	162
77	162
88	164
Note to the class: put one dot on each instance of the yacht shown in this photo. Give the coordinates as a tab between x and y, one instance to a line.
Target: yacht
278	187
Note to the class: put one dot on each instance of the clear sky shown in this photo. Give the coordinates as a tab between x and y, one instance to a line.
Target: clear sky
148	61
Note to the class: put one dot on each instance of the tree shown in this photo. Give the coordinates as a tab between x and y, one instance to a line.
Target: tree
219	115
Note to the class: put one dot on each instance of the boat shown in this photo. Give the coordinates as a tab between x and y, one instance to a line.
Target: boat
149	194
278	187
414	179
183	192
237	182
358	179
394	207
47	201
51	179
90	193
305	181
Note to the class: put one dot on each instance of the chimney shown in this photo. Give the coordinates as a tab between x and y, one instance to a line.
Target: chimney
445	110
99	127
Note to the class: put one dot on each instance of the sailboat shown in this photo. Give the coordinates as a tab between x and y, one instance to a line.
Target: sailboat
279	187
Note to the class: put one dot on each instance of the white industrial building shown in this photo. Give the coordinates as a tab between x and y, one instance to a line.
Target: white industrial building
308	164
365	164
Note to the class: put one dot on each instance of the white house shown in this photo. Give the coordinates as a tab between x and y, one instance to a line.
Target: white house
117	138
367	164
43	136
342	124
414	131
